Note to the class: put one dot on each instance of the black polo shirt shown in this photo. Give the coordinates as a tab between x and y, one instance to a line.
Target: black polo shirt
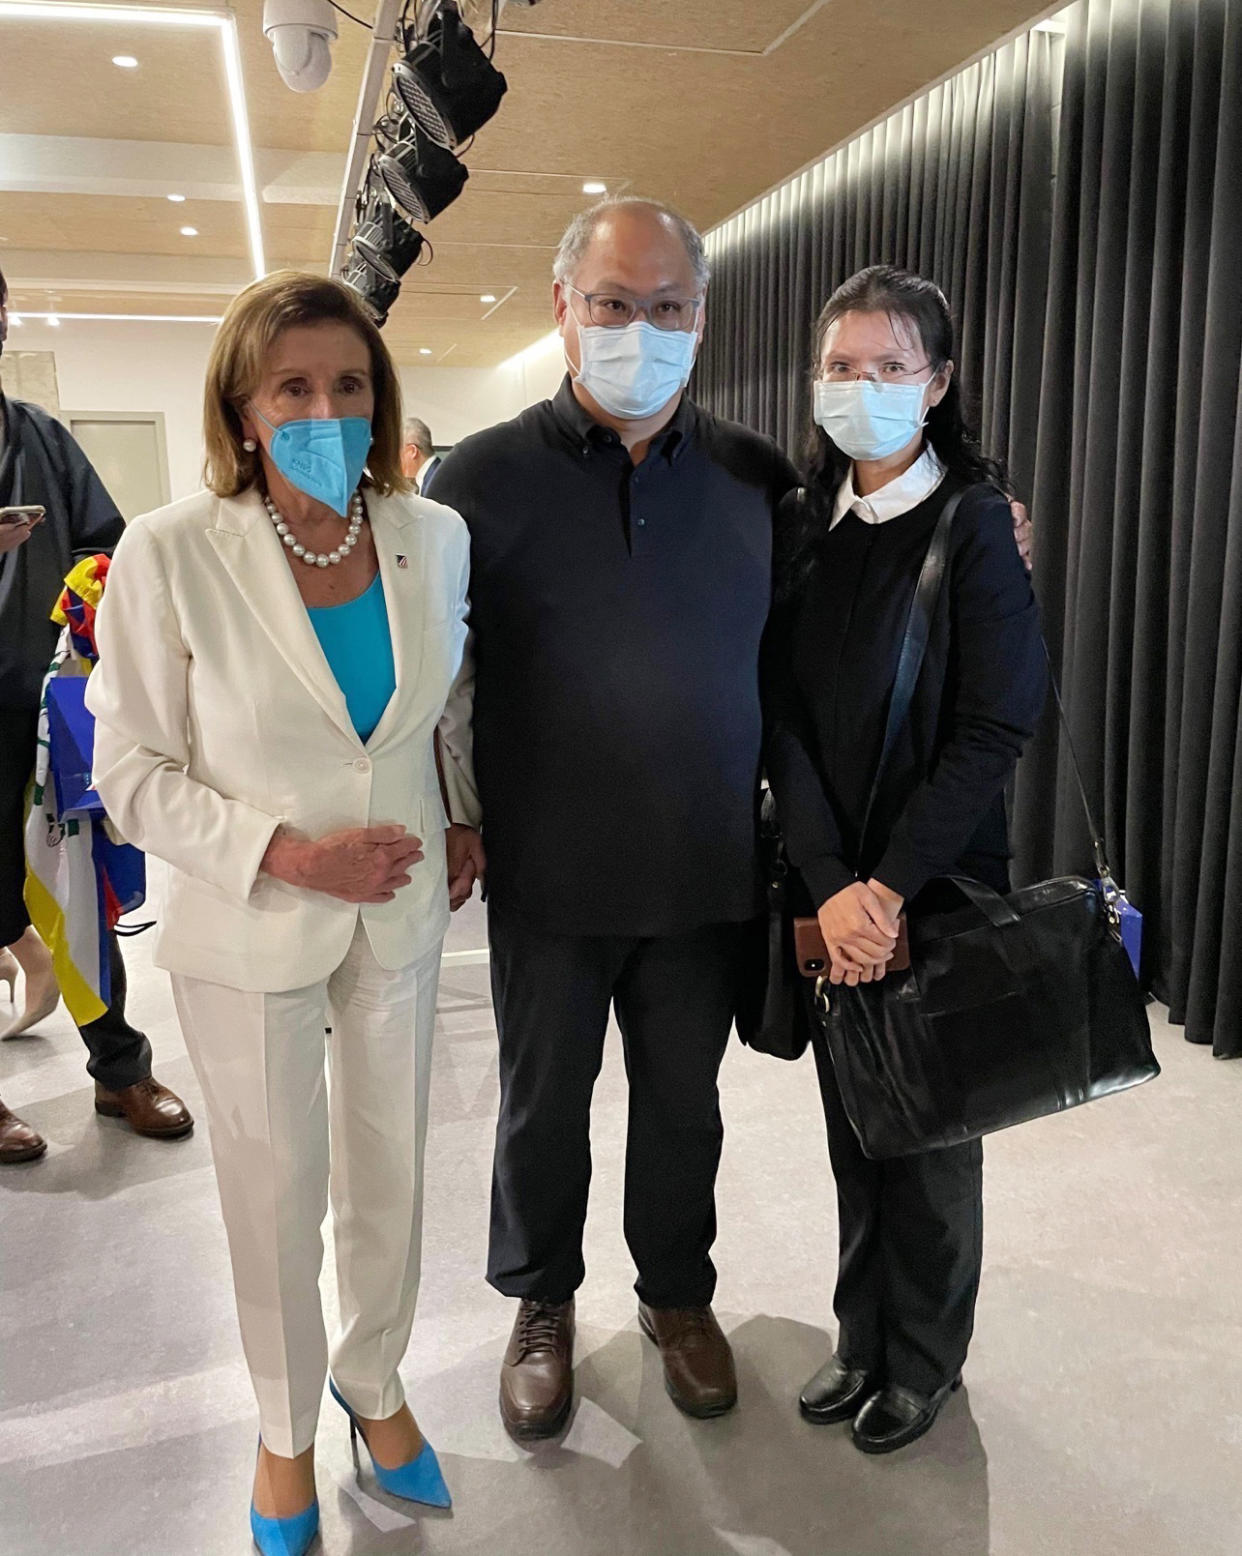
617	612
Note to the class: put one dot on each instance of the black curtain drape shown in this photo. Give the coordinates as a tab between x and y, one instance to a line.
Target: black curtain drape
1079	199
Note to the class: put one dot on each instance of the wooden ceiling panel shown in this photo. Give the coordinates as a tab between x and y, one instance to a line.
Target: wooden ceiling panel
690	24
199	304
702	116
105	224
58	78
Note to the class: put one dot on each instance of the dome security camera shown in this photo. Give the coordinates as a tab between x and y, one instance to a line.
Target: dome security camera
301	32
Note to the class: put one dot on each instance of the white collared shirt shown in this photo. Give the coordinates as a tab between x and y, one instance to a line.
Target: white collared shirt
896	497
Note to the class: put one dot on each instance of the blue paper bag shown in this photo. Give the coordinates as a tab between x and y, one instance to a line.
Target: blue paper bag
71	742
1131	931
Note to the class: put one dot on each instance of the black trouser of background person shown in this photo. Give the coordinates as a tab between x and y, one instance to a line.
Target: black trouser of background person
674	997
120	1055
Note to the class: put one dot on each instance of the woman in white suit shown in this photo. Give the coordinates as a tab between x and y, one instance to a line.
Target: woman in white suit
276	655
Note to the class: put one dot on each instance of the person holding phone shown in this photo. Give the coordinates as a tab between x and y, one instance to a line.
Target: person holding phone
54	510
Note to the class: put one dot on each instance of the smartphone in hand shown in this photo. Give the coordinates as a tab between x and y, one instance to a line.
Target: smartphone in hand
30	514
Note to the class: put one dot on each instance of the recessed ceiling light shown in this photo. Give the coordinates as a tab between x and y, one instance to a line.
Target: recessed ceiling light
487	297
177	199
220	21
424	351
189	232
125	61
593	186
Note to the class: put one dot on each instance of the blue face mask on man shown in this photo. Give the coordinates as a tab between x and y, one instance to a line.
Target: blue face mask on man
323	456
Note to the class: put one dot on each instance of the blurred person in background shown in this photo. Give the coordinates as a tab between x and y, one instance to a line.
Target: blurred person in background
42	466
419	460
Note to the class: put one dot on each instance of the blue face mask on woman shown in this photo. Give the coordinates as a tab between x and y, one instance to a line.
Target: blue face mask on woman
323	456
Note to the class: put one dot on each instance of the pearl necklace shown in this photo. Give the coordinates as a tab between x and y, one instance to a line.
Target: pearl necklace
320	558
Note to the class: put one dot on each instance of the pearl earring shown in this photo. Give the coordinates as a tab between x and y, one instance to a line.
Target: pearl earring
249	445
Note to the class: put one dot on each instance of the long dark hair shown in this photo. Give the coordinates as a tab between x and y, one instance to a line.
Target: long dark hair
803	521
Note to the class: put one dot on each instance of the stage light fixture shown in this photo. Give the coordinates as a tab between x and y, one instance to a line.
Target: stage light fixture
384	238
377	290
446	82
420	176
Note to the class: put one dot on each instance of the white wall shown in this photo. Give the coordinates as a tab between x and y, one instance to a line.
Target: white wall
456	401
539	369
116	366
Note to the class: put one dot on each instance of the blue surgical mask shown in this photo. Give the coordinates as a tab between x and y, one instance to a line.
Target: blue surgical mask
868	420
635	371
322	456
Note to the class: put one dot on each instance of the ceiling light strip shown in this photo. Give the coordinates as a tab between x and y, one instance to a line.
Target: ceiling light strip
241	139
131	318
224	23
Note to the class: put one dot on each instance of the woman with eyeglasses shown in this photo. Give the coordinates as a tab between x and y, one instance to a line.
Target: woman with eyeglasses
888	450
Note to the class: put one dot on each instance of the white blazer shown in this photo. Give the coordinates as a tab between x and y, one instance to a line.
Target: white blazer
217	719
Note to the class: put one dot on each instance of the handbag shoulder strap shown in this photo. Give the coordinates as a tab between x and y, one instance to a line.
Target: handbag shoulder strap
914	645
910	663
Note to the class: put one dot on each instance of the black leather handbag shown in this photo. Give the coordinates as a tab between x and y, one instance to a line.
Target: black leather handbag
1012	1008
773	1014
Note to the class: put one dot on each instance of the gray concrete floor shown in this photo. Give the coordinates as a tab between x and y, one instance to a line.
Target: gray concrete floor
1102	1414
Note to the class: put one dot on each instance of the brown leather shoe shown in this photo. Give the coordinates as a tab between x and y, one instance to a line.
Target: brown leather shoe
18	1142
537	1377
698	1363
149	1109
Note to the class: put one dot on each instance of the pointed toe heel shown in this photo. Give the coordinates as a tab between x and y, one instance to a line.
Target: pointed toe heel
421	1480
285	1536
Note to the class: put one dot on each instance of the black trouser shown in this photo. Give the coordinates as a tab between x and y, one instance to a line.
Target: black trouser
19	729
675	999
119	1054
911	1234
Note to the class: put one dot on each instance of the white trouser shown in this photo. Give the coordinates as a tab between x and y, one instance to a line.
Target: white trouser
260	1061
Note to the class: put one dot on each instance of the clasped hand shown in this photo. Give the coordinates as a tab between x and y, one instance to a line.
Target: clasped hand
372	864
859	926
467	863
363	864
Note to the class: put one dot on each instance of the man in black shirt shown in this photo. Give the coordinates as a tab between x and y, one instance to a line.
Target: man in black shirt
41	465
620	584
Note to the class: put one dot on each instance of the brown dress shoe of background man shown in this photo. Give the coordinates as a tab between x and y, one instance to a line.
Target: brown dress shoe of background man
537	1377
148	1108
18	1142
698	1363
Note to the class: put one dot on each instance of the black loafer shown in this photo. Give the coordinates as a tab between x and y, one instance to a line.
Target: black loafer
897	1416
835	1393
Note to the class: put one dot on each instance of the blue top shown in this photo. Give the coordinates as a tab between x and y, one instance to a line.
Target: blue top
358	647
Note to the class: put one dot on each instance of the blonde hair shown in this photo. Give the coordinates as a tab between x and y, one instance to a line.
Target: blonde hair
254	320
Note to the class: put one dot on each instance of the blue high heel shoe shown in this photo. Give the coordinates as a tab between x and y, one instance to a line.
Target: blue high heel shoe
285	1536
418	1481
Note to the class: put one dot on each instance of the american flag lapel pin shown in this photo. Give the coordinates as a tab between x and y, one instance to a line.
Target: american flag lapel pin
402	561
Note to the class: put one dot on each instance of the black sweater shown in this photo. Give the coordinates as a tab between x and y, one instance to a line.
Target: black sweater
41	463
830	658
617	614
